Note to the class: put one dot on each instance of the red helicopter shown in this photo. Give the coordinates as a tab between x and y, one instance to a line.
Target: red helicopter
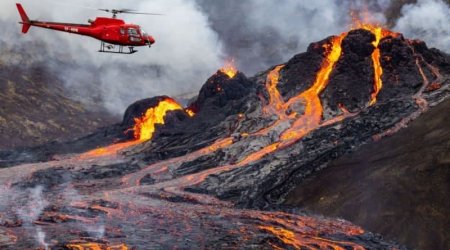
110	31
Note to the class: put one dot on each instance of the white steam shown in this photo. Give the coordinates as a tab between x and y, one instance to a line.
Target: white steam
31	210
428	20
40	237
70	196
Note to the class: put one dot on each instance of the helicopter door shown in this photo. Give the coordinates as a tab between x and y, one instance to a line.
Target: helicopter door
123	35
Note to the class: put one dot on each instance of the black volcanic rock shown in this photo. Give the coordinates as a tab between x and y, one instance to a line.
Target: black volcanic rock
401	76
223	94
352	81
299	72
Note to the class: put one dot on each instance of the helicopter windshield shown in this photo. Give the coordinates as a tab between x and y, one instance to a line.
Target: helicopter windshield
143	33
132	31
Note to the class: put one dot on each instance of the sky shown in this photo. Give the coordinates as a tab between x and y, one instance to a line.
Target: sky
194	38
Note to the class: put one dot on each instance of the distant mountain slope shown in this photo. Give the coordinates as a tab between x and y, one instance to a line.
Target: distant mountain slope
35	109
398	187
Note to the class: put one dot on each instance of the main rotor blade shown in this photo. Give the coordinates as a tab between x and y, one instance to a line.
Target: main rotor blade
129	11
126	10
143	13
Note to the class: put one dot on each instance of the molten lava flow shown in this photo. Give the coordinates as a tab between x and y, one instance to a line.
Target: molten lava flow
145	126
313	107
229	69
109	150
379	33
276	101
307	242
378	70
95	246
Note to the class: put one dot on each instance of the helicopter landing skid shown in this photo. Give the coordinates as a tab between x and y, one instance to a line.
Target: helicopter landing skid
104	48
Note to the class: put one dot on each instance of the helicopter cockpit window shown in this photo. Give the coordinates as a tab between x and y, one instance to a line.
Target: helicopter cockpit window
133	32
134	35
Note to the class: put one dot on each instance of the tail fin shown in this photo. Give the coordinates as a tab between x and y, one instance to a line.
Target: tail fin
25	20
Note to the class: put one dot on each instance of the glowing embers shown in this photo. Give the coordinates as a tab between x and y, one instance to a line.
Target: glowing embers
229	69
190	112
145	126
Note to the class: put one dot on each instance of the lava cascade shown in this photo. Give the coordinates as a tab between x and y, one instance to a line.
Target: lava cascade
145	126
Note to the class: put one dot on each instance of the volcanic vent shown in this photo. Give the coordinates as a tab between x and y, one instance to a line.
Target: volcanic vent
192	177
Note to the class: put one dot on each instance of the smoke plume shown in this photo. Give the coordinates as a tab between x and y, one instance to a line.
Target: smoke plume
428	20
31	210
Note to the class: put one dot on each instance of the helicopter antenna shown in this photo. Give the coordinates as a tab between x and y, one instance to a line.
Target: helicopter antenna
128	11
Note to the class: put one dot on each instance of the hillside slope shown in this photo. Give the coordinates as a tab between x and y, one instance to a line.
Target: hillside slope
35	109
398	187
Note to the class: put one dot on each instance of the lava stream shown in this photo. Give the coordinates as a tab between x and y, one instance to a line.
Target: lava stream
313	107
379	33
307	242
95	246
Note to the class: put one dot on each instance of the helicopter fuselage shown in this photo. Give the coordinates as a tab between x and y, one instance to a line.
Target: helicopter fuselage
108	30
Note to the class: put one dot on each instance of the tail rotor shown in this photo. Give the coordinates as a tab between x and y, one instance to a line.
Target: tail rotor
25	20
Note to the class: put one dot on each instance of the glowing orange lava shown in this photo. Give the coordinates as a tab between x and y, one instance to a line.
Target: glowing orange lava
145	127
307	242
275	99
190	112
109	150
313	106
229	69
95	246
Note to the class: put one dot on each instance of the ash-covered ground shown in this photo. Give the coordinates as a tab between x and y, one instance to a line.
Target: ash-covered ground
216	174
